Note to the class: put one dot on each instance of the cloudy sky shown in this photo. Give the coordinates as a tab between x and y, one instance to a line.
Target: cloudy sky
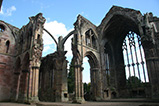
61	14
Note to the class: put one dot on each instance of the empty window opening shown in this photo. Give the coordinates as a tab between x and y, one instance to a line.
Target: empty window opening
86	79
94	45
39	39
86	71
107	69
2	28
88	41
134	58
65	95
7	46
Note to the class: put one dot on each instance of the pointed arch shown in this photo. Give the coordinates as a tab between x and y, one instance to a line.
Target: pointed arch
93	61
133	16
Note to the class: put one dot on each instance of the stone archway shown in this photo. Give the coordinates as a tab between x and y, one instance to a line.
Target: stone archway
85	44
94	74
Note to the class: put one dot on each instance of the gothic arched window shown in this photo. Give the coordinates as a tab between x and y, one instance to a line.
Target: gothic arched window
134	58
90	39
2	28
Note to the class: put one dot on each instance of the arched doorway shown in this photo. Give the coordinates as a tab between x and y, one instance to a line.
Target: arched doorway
94	75
86	79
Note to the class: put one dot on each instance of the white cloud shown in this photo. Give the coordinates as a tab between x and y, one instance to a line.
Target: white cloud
1	12
8	11
56	29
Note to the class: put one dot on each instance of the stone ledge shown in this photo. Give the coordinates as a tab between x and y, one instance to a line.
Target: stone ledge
47	104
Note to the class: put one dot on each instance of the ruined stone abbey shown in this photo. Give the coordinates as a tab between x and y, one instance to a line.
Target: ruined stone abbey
123	55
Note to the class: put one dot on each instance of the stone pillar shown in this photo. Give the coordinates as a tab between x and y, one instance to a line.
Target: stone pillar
33	85
96	84
93	83
58	85
152	61
82	88
120	81
150	43
153	67
60	76
64	82
79	93
16	86
23	86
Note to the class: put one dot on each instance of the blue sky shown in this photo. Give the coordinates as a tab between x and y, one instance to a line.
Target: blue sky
61	14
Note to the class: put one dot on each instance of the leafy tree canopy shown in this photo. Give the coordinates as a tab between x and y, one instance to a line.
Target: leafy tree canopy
134	82
71	78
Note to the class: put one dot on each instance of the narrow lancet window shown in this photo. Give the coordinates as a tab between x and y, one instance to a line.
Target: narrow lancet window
7	46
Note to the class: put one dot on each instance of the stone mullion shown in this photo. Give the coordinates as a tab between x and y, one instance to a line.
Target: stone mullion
130	47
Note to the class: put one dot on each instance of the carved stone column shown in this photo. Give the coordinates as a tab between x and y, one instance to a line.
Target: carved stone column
33	84
79	93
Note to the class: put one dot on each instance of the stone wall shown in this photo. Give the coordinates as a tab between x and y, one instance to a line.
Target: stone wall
20	53
53	78
7	60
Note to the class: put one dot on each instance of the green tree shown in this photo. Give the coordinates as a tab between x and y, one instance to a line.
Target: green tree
71	78
87	87
134	82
